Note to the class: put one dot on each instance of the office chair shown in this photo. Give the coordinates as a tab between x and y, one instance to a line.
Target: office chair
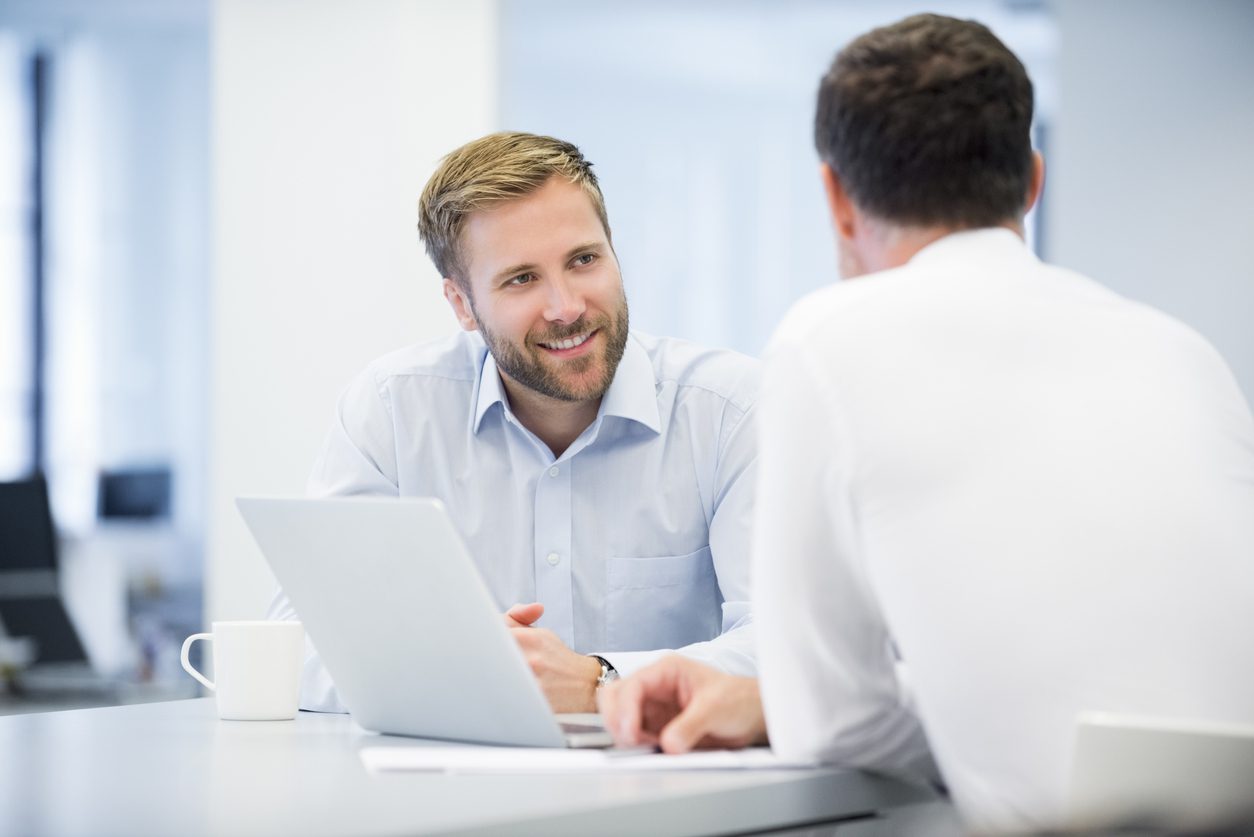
30	593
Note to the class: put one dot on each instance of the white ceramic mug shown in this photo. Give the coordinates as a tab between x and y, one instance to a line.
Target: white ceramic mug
256	668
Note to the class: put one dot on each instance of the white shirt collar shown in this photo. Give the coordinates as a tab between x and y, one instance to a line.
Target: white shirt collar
988	243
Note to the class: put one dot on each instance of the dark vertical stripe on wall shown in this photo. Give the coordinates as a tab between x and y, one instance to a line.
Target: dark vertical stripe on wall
39	101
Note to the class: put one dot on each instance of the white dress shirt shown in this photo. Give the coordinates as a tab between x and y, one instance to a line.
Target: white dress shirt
1040	493
635	539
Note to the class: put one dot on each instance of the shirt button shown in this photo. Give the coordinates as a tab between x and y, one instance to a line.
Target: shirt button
553	559
554	471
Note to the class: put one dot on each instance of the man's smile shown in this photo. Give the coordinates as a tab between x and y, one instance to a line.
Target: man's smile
570	346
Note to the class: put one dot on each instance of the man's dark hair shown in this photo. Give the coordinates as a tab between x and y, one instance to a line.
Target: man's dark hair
927	123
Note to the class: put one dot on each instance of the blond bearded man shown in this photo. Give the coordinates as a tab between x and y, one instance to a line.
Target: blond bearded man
602	478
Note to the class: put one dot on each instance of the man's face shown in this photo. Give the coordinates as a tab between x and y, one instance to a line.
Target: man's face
545	292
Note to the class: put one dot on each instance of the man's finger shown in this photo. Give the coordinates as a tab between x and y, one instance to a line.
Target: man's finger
607	704
625	723
522	615
688	727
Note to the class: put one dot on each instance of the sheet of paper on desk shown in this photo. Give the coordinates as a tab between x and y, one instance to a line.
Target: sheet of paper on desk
475	759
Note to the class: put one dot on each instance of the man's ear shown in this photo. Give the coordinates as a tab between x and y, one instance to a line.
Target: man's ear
844	215
1037	183
459	300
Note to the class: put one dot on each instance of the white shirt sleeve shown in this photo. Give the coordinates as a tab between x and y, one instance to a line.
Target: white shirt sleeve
829	683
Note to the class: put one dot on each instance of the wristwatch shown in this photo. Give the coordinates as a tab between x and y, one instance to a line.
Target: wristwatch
608	673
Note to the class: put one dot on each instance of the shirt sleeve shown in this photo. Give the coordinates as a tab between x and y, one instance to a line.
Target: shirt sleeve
830	686
733	650
358	458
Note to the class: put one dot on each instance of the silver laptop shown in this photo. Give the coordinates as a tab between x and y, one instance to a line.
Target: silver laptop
405	624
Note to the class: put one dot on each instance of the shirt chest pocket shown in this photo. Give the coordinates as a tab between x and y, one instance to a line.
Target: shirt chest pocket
664	602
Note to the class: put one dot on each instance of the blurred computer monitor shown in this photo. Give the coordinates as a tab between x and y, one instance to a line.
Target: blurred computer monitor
134	494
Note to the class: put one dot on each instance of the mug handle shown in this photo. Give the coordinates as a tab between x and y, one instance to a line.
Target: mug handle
187	664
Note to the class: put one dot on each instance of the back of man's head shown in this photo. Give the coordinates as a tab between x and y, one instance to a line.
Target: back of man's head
926	123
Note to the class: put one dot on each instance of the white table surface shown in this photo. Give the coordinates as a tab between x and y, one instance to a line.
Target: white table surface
174	768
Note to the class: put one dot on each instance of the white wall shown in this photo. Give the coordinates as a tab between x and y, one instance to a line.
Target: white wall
15	291
328	118
1149	182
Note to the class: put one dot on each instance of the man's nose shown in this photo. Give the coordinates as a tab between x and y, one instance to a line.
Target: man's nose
565	303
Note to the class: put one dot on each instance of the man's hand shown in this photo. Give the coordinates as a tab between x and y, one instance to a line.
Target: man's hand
569	680
682	705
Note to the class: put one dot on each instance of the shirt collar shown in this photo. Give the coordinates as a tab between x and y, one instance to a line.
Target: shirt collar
990	243
632	394
491	390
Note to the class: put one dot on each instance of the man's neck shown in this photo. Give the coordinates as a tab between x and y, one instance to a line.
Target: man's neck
897	245
555	422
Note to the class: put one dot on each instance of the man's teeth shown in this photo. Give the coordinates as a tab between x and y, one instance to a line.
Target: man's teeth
568	343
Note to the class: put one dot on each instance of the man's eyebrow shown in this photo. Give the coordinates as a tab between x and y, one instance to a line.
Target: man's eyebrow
583	248
527	267
510	272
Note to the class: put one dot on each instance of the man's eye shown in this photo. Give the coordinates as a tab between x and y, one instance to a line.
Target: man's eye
585	259
522	279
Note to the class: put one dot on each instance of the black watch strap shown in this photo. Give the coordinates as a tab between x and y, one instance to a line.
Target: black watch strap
608	673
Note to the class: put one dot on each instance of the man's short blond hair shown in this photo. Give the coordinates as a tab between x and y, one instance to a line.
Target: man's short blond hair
485	173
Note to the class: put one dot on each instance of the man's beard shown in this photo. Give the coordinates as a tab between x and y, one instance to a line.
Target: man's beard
527	364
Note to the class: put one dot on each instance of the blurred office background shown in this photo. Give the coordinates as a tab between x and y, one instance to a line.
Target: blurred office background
207	224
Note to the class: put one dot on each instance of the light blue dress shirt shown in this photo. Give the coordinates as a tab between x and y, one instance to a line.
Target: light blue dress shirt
635	539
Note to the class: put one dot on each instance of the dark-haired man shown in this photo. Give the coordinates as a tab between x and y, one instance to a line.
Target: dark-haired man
1034	494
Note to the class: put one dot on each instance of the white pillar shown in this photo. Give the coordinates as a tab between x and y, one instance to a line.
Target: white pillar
328	117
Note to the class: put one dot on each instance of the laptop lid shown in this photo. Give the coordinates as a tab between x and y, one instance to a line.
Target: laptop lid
401	618
1172	773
